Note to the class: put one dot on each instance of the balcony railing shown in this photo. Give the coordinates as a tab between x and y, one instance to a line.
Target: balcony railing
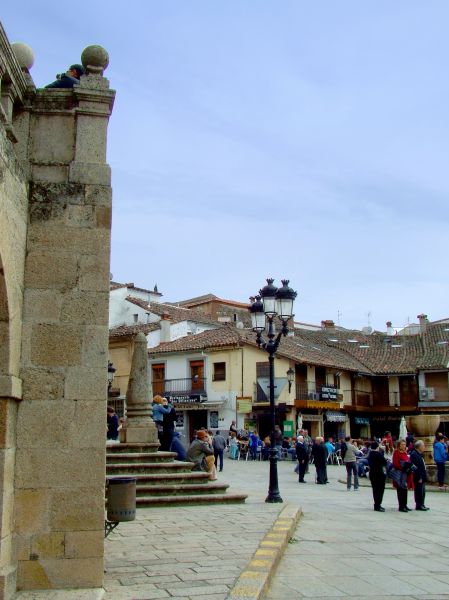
182	389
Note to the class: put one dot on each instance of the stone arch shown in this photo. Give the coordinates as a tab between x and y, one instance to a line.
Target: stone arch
4	323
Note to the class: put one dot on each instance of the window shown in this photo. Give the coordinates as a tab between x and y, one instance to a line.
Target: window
136	318
219	371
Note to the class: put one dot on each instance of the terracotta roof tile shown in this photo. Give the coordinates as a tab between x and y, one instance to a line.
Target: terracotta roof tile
130	330
176	314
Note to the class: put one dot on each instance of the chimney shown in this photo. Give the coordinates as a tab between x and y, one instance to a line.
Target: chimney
165	324
423	322
327	324
390	330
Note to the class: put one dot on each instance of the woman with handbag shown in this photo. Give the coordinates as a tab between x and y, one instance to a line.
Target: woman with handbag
401	462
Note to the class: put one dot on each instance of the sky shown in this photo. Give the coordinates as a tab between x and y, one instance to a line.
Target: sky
295	139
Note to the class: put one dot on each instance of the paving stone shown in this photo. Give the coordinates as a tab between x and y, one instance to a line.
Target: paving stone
339	536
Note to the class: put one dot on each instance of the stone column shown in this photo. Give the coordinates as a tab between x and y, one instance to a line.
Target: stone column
139	426
61	422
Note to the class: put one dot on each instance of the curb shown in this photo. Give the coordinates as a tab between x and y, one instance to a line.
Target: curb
253	582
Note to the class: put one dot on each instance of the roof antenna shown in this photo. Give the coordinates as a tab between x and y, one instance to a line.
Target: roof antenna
339	314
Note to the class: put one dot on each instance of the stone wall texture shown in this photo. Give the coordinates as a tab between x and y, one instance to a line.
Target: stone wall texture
55	218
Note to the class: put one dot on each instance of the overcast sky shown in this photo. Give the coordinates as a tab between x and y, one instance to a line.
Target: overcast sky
255	138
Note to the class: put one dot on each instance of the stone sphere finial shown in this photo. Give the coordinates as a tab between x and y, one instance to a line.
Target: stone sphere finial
24	55
95	60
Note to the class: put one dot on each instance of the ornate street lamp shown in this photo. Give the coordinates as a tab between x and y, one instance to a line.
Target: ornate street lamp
111	371
272	302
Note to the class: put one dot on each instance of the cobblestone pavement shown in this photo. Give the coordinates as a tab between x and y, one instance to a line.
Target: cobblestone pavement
341	549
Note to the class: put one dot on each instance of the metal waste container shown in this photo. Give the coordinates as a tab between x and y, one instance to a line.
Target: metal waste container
121	499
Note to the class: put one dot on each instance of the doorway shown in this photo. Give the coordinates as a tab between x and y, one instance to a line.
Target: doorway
197	419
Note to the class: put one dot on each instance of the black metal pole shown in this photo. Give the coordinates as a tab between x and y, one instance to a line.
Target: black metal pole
273	489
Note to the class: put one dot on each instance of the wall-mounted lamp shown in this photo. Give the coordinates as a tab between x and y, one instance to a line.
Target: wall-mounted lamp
290	378
111	371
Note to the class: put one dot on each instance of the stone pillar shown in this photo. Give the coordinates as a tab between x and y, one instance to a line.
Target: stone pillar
61	422
139	426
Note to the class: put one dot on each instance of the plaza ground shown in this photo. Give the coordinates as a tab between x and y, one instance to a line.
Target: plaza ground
341	548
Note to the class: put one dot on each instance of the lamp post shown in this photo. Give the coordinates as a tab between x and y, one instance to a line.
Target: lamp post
111	371
272	302
290	378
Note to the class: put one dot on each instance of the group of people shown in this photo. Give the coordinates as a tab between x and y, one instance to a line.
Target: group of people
403	462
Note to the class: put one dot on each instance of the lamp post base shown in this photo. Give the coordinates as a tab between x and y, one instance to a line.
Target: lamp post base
273	489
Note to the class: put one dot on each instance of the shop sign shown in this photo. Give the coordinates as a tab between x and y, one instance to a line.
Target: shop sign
321	404
288	428
312	418
361	421
244	406
196	398
329	392
335	417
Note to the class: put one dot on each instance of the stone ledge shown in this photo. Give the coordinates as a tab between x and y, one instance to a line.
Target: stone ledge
10	387
80	594
253	582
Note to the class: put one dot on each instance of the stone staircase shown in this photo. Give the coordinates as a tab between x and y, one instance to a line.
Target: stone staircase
162	480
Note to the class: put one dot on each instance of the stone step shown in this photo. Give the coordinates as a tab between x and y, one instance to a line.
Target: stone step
142	457
132	447
180	489
148	501
147	467
197	477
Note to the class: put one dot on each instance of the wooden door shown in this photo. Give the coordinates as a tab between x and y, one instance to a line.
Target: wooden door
158	379
197	374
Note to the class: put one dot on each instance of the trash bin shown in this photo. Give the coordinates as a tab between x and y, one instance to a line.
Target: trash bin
121	499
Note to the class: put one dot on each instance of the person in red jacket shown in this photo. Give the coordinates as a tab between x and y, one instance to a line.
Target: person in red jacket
401	462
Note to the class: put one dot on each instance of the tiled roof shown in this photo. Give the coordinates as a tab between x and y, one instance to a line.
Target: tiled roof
210	298
435	343
115	285
226	335
176	313
290	347
130	330
196	300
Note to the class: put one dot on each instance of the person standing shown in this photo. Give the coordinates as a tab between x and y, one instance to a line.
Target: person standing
303	458
440	458
351	463
308	443
113	424
401	462
377	465
319	453
254	444
278	438
419	475
168	426
219	444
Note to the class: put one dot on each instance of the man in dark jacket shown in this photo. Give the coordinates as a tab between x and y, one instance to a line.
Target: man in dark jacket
68	79
319	453
419	475
303	458
377	465
168	427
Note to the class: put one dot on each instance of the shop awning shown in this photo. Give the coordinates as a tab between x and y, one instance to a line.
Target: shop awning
335	417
